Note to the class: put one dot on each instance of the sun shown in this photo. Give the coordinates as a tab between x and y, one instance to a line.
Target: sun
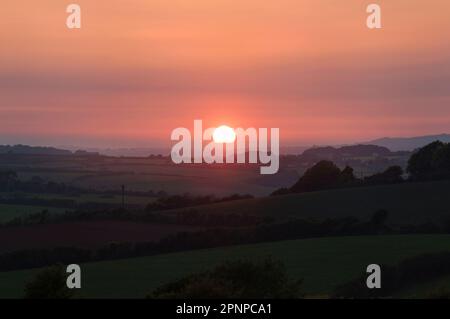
224	134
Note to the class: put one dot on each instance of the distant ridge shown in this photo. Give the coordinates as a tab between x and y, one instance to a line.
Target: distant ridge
409	143
39	150
126	152
330	153
393	144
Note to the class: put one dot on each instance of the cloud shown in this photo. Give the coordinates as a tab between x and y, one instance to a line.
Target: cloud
337	80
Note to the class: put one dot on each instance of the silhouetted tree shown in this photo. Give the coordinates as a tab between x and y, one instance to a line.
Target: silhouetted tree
347	176
237	279
49	283
430	162
323	175
391	175
441	158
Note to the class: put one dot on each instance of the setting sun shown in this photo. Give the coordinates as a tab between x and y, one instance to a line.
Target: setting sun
224	134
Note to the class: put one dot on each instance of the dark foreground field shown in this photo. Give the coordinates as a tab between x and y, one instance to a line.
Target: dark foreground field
323	264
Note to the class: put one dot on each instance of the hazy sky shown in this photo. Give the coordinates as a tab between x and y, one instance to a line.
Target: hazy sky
139	68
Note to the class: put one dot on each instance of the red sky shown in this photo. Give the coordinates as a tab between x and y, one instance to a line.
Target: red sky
138	69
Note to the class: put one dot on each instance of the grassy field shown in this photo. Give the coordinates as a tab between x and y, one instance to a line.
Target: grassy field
322	263
406	203
144	174
8	212
90	234
84	198
428	289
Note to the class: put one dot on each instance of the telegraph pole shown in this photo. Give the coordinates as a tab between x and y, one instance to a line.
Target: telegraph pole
123	197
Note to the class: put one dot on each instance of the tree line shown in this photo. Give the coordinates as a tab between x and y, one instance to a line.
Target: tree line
216	237
429	163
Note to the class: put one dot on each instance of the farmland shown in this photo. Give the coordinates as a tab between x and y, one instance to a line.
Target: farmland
92	185
8	212
93	234
98	174
406	203
144	174
323	264
60	203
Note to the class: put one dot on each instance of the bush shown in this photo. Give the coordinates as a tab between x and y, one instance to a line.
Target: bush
391	175
49	283
237	279
409	272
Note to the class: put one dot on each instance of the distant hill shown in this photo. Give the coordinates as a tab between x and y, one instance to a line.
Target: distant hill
409	143
125	152
32	150
293	150
40	150
330	153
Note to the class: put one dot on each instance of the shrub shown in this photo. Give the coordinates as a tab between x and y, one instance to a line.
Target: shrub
237	279
49	283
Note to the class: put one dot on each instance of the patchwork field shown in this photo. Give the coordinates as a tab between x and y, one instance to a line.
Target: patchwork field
144	174
323	264
11	211
92	234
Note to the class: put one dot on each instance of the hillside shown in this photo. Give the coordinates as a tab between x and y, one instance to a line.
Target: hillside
32	150
309	259
406	203
409	143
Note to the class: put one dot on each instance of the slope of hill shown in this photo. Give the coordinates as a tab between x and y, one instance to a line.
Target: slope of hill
309	259
20	149
406	203
409	143
35	150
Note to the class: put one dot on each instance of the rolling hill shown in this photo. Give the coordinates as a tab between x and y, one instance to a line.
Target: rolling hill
323	263
406	203
409	143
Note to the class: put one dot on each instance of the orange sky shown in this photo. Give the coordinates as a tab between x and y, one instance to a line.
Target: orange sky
139	68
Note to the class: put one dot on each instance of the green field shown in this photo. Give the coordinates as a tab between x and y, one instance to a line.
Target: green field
144	174
85	198
406	203
8	212
323	263
424	290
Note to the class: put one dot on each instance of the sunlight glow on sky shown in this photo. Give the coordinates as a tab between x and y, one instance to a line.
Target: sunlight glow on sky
138	69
